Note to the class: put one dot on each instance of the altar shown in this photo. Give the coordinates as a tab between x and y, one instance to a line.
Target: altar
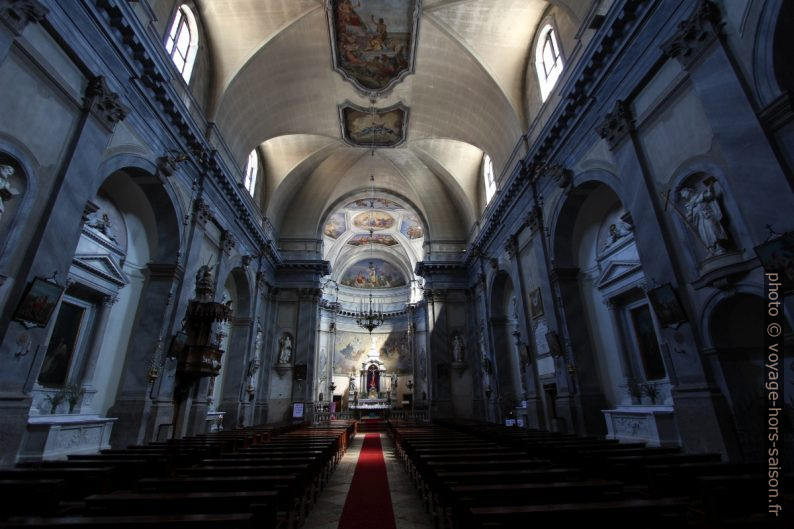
372	404
372	408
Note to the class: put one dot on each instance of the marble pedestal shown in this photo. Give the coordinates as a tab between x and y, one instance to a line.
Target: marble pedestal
654	425
56	436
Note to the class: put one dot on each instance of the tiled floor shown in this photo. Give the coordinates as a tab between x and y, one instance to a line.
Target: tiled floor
408	510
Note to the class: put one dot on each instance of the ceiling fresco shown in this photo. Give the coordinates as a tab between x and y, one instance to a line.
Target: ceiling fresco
364	127
373	41
376	238
373	220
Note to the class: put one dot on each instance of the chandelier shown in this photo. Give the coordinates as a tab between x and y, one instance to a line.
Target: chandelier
373	317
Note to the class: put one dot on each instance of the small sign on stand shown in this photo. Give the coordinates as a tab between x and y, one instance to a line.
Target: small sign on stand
297	411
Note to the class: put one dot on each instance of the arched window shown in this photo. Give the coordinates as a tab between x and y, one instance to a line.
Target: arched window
182	41
488	177
548	60
249	181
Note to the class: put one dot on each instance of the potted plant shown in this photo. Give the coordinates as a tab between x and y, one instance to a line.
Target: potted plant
651	391
72	393
634	389
55	399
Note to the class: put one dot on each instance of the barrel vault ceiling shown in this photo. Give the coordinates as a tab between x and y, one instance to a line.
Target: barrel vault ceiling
274	87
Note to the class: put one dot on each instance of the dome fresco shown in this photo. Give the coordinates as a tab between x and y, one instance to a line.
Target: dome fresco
375	220
372	273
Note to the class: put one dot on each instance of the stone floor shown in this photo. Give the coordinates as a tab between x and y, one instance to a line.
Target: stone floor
408	510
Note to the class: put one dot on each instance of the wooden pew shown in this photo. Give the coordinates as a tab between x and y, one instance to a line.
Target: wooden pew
171	521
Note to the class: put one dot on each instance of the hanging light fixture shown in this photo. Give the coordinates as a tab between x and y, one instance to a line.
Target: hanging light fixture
373	317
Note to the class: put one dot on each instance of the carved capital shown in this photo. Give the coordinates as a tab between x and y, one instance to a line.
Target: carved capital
104	103
166	165
511	246
310	294
560	174
17	14
202	212
534	218
108	301
617	124
227	242
695	34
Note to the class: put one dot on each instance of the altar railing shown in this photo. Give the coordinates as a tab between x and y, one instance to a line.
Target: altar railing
321	417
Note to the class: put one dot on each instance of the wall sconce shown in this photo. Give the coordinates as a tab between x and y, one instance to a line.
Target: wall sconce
331	386
410	385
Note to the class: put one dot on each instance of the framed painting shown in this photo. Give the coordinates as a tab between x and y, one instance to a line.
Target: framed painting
666	306
535	304
38	303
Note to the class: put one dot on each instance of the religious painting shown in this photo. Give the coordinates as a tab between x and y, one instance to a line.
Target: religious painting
373	41
411	227
666	306
374	220
535	304
373	273
352	349
648	344
777	255
335	225
38	303
63	342
362	127
377	203
395	352
375	238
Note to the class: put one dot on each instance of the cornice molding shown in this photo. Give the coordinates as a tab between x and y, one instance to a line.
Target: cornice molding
17	14
695	34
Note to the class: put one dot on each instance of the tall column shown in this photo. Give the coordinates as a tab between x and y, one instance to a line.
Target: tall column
93	350
133	404
529	372
306	343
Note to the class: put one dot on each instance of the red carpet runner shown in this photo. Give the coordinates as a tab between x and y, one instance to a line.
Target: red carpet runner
368	502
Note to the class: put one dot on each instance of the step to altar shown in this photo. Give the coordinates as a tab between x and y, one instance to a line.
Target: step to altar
371	425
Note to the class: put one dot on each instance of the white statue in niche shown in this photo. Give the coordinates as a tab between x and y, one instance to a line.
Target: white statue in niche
616	232
7	190
323	364
285	349
258	339
102	224
487	366
704	214
457	348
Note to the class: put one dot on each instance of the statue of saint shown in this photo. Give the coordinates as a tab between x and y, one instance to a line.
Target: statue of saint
704	214
616	232
102	224
285	349
457	349
7	191
258	339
